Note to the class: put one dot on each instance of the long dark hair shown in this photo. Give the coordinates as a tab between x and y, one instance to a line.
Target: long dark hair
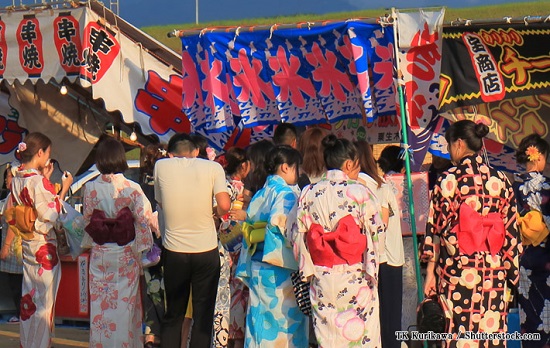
336	151
310	147
366	161
256	153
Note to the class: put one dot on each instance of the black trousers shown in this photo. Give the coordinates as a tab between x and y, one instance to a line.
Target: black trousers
183	272
390	290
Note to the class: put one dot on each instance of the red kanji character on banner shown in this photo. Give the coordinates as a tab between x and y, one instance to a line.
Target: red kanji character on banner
333	81
3	48
161	100
99	51
247	77
29	39
67	42
285	75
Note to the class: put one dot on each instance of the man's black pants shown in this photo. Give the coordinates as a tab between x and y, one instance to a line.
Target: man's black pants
183	272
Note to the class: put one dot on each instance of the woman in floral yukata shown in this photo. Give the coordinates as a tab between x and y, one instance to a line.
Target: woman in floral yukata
266	260
117	215
472	238
336	240
32	189
532	190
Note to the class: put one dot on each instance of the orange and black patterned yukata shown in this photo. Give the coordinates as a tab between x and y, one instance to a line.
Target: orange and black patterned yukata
473	277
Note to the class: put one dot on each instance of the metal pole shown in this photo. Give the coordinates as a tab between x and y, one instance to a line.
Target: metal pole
191	32
197	12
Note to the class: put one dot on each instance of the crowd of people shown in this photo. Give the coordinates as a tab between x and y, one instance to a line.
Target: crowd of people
291	242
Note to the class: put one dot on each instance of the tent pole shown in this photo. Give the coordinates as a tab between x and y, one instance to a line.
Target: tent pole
403	112
192	32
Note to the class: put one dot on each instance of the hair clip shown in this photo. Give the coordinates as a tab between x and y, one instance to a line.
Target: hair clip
21	147
163	152
532	153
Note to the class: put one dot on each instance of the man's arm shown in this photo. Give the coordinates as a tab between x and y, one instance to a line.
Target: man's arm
224	203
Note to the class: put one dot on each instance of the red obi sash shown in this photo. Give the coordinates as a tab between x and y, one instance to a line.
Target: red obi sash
119	230
479	233
345	245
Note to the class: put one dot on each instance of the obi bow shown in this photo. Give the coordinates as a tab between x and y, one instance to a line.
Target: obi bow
253	234
479	233
345	245
119	230
533	228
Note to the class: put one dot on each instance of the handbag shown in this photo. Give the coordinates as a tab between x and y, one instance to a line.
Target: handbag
151	257
301	292
430	316
72	223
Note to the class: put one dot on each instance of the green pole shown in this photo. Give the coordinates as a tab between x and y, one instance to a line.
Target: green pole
404	124
402	105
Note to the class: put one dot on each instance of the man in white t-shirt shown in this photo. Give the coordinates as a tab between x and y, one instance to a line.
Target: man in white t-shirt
185	187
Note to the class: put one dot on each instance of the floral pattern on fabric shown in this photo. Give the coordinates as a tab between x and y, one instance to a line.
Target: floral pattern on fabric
238	291
115	304
533	193
273	318
473	286
221	312
41	268
344	297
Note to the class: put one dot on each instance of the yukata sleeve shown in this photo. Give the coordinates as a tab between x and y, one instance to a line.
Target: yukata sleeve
299	230
46	201
142	220
375	231
512	248
89	204
283	204
437	219
277	248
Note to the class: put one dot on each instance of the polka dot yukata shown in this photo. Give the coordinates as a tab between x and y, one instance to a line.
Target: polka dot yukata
473	285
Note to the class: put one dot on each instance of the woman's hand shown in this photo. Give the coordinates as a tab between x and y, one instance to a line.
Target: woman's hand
66	179
4	252
48	170
66	182
237	215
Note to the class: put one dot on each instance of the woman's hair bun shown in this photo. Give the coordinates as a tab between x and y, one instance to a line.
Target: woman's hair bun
329	141
481	130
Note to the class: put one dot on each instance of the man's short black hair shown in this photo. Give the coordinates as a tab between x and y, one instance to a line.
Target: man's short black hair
285	134
181	143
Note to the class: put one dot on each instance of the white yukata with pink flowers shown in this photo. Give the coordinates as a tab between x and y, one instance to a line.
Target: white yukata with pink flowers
344	297
41	267
115	303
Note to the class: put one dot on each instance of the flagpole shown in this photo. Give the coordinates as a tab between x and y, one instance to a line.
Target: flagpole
404	124
197	12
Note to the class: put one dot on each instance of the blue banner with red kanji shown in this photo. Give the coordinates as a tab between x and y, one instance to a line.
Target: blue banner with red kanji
302	76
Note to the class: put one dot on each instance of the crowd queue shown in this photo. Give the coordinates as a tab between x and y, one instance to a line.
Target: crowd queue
294	242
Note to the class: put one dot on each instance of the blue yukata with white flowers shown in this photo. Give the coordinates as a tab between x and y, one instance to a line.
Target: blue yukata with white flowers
273	318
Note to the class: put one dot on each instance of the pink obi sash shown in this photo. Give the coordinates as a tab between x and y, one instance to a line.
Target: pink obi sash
479	233
119	230
345	245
